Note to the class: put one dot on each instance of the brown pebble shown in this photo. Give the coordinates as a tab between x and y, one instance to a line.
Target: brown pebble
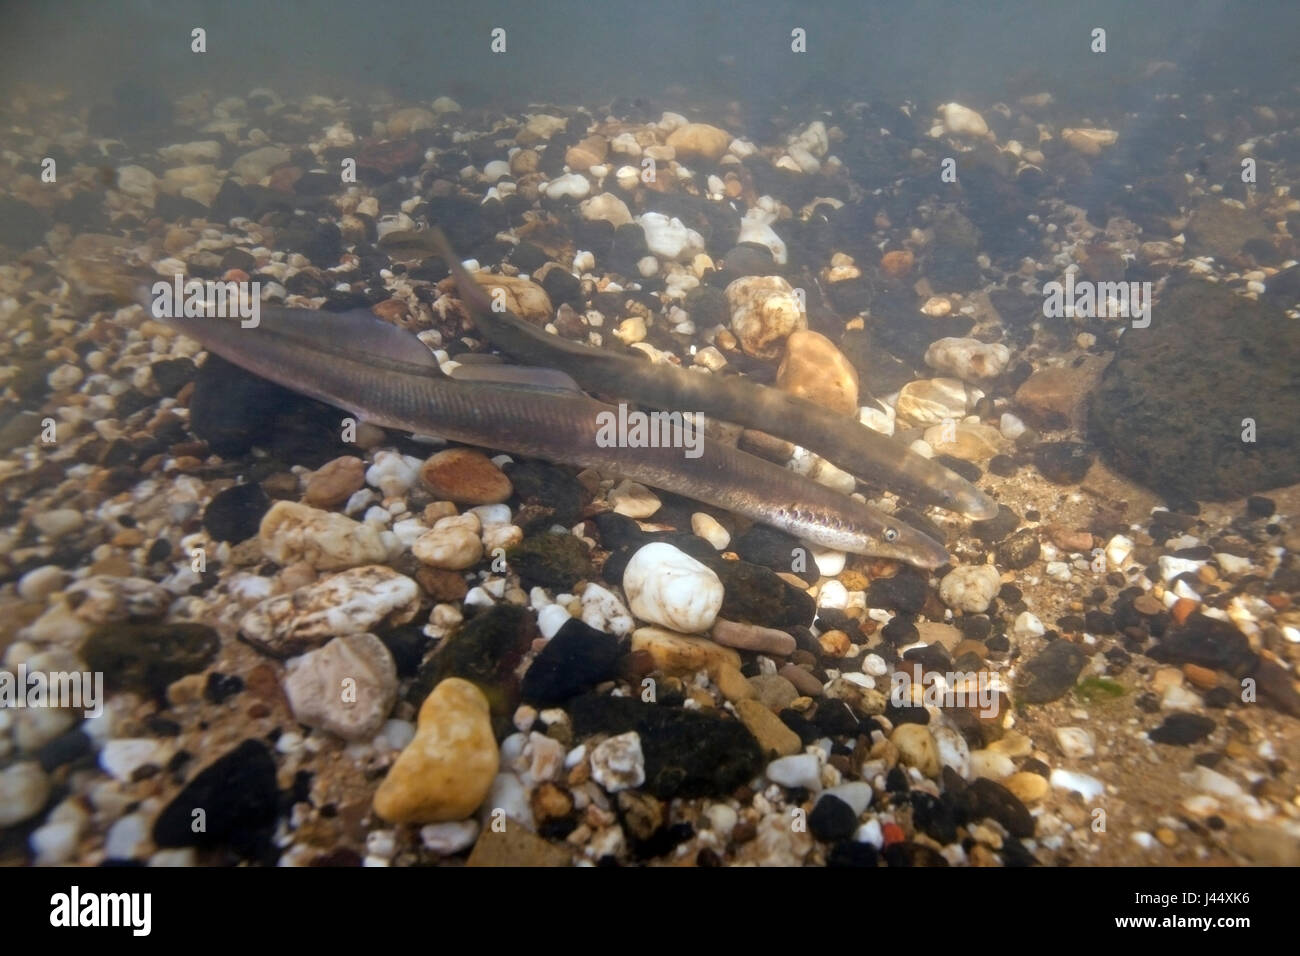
835	643
804	681
1202	677
751	637
1183	609
1146	604
465	476
335	482
443	586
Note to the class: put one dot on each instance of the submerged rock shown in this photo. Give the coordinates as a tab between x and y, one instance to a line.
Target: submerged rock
687	754
236	799
146	658
1171	409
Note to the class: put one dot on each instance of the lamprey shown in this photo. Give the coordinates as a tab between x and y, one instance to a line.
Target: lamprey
841	439
385	375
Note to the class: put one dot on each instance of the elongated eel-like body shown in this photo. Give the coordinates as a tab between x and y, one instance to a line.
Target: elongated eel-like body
385	375
850	444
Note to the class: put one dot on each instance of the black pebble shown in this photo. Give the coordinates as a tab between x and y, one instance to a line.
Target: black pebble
238	796
832	819
234	514
1182	729
1260	507
1063	462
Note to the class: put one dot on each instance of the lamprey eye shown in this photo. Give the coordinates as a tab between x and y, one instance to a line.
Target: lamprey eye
891	534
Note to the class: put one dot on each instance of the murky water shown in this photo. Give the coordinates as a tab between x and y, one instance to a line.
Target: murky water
864	436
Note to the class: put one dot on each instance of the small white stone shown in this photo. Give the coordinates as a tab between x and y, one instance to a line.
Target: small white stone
445	839
968	359
833	595
393	474
618	763
954	752
633	500
1171	567
1028	625
668	587
121	758
871	833
970	588
1090	787
798	770
1011	426
55	843
708	528
128	838
602	610
551	618
1075	743
991	764
855	793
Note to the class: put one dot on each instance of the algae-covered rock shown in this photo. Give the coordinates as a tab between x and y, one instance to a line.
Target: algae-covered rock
753	594
485	650
146	658
556	561
1170	410
687	754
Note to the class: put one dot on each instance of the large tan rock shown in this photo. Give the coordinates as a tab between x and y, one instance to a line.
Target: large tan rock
445	772
699	141
813	368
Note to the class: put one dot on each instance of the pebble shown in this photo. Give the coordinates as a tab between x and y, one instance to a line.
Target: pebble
699	141
1028	625
968	359
803	680
667	238
55	842
448	768
917	748
40	583
452	545
708	528
962	120
773	736
348	687
991	764
446	839
350	602
1090	787
24	788
764	312
335	482
931	401
121	758
970	588
681	654
752	637
633	499
666	586
814	369
618	763
466	477
953	750
127	838
796	770
292	532
605	207
969	441
252	167
1027	787
1075	743
58	522
393	474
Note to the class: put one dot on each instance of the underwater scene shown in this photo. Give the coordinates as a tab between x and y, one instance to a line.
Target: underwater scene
649	435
